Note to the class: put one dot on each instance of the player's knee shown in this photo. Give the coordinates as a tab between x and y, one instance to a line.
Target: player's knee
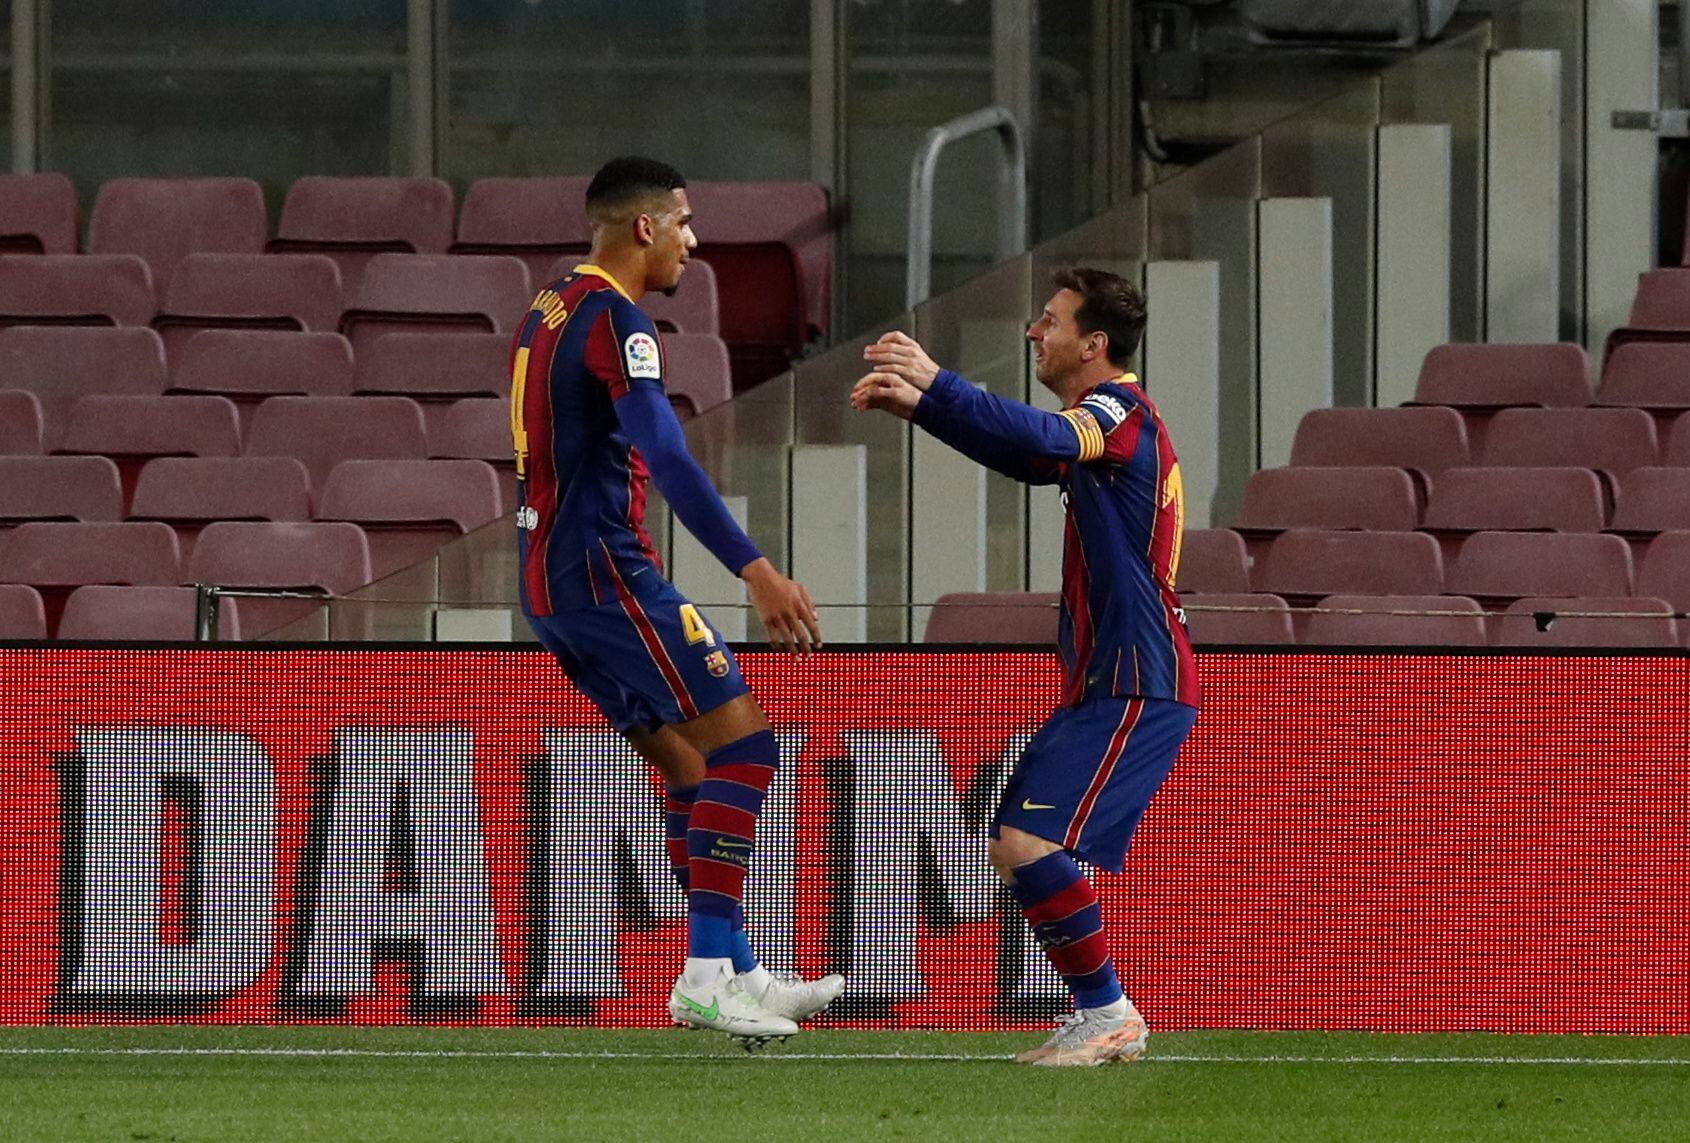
1012	848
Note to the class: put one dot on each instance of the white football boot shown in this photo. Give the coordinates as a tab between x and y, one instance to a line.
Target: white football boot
1093	1036
725	1006
798	999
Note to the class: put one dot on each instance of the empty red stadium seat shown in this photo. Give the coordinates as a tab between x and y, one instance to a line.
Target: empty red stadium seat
248	365
1395	621
1629	621
479	429
323	431
1305	564
693	308
1611	440
249	291
1212	560
534	219
1660	311
1498	567
1427	440
316	557
189	493
38	214
85	488
152	613
1651	500
76	289
129	428
1468	500
696	372
1648	375
1028	617
1676	454
409	508
418	292
1377	499
771	245
352	219
1498	376
1665	571
20	423
61	364
54	558
22	613
1239	617
163	220
435	366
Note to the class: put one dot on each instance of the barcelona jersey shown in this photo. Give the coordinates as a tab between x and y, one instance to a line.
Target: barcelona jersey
1122	631
583	483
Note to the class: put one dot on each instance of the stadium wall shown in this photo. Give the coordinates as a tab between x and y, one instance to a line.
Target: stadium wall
1396	842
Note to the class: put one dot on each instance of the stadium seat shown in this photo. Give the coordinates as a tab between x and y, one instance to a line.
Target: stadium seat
1650	501
1260	619
60	365
1423	440
152	613
1660	311
249	365
20	423
323	431
76	289
1497	568
1665	571
53	558
479	429
435	369
1468	500
534	219
249	291
418	293
408	508
1490	377
312	557
353	219
1633	621
1374	499
1305	564
23	615
1614	441
696	371
1648	375
85	488
189	493
134	430
771	245
1676	454
38	214
1212	560
1395	621
1027	617
163	220
694	308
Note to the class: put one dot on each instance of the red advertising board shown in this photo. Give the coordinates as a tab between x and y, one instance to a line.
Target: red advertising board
1394	842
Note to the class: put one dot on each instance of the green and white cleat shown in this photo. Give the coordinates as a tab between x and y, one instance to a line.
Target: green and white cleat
798	999
725	1006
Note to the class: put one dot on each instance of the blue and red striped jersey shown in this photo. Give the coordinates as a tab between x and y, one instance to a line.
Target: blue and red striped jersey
1121	631
583	483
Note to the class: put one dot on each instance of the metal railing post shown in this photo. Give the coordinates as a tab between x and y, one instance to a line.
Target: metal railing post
205	613
1012	192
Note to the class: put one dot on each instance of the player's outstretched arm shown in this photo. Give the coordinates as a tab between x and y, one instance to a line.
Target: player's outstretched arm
784	606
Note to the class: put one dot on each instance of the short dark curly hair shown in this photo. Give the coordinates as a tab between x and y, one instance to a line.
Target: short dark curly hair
626	180
1110	304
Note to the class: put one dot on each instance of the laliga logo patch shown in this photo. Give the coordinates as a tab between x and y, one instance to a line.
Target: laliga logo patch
527	519
716	662
640	352
1103	402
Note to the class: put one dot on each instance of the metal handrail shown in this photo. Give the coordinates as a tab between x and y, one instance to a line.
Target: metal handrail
1012	192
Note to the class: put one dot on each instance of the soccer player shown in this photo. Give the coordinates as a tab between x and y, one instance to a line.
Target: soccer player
592	423
1129	693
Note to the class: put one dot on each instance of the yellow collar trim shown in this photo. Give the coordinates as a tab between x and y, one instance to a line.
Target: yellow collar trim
599	272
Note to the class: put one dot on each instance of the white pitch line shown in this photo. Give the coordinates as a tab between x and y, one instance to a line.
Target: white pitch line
448	1054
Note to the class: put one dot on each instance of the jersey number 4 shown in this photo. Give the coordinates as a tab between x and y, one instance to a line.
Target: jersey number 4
697	631
519	434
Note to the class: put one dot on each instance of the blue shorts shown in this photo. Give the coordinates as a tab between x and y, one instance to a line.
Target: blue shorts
645	661
1086	777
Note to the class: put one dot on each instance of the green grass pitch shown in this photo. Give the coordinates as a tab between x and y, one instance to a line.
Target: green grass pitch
173	1085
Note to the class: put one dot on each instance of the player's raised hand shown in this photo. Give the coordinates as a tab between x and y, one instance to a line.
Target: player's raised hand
901	355
887	392
785	607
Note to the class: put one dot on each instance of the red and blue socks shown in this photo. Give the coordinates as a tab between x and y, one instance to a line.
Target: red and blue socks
1061	906
676	818
721	833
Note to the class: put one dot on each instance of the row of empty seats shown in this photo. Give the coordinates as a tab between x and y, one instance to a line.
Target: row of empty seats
771	244
1259	618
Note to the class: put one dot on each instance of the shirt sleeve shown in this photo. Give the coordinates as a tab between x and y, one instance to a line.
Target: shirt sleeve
1019	440
623	349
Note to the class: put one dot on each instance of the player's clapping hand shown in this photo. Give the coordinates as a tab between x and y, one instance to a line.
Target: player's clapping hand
886	392
784	606
901	355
